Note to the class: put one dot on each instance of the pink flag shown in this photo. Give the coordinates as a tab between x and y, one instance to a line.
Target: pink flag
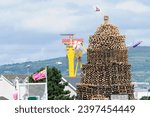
97	9
40	75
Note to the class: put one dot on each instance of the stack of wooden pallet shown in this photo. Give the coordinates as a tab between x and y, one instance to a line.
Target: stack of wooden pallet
107	71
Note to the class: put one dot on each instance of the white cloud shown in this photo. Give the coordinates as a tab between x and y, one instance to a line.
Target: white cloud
9	2
51	20
16	53
133	6
63	16
136	32
40	17
135	35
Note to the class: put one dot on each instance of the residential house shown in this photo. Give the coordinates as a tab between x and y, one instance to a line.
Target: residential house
8	84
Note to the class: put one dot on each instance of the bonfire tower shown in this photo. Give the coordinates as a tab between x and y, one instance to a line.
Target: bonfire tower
107	71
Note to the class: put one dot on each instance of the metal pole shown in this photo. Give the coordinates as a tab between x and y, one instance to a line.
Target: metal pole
18	89
28	68
147	95
46	91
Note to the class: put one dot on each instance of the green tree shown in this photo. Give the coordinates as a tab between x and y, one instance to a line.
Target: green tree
145	98
55	86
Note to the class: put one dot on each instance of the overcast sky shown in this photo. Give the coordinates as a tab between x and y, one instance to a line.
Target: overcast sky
30	29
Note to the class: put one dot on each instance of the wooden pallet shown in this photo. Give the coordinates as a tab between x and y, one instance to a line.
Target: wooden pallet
107	70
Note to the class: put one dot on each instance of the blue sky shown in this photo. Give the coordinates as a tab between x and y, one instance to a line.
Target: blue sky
30	29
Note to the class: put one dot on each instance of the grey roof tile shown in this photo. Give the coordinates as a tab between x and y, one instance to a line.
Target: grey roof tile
3	98
11	77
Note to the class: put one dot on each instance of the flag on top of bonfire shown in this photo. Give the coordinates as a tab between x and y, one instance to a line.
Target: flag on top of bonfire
40	75
97	9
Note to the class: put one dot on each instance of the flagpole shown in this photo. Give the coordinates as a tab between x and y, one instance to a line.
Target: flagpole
46	91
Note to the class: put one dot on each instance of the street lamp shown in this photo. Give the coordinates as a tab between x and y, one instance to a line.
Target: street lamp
28	68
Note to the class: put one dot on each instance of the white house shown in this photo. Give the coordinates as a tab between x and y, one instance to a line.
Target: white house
8	84
141	89
70	87
6	88
39	90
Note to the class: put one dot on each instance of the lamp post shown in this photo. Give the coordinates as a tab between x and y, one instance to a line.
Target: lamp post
28	69
27	89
